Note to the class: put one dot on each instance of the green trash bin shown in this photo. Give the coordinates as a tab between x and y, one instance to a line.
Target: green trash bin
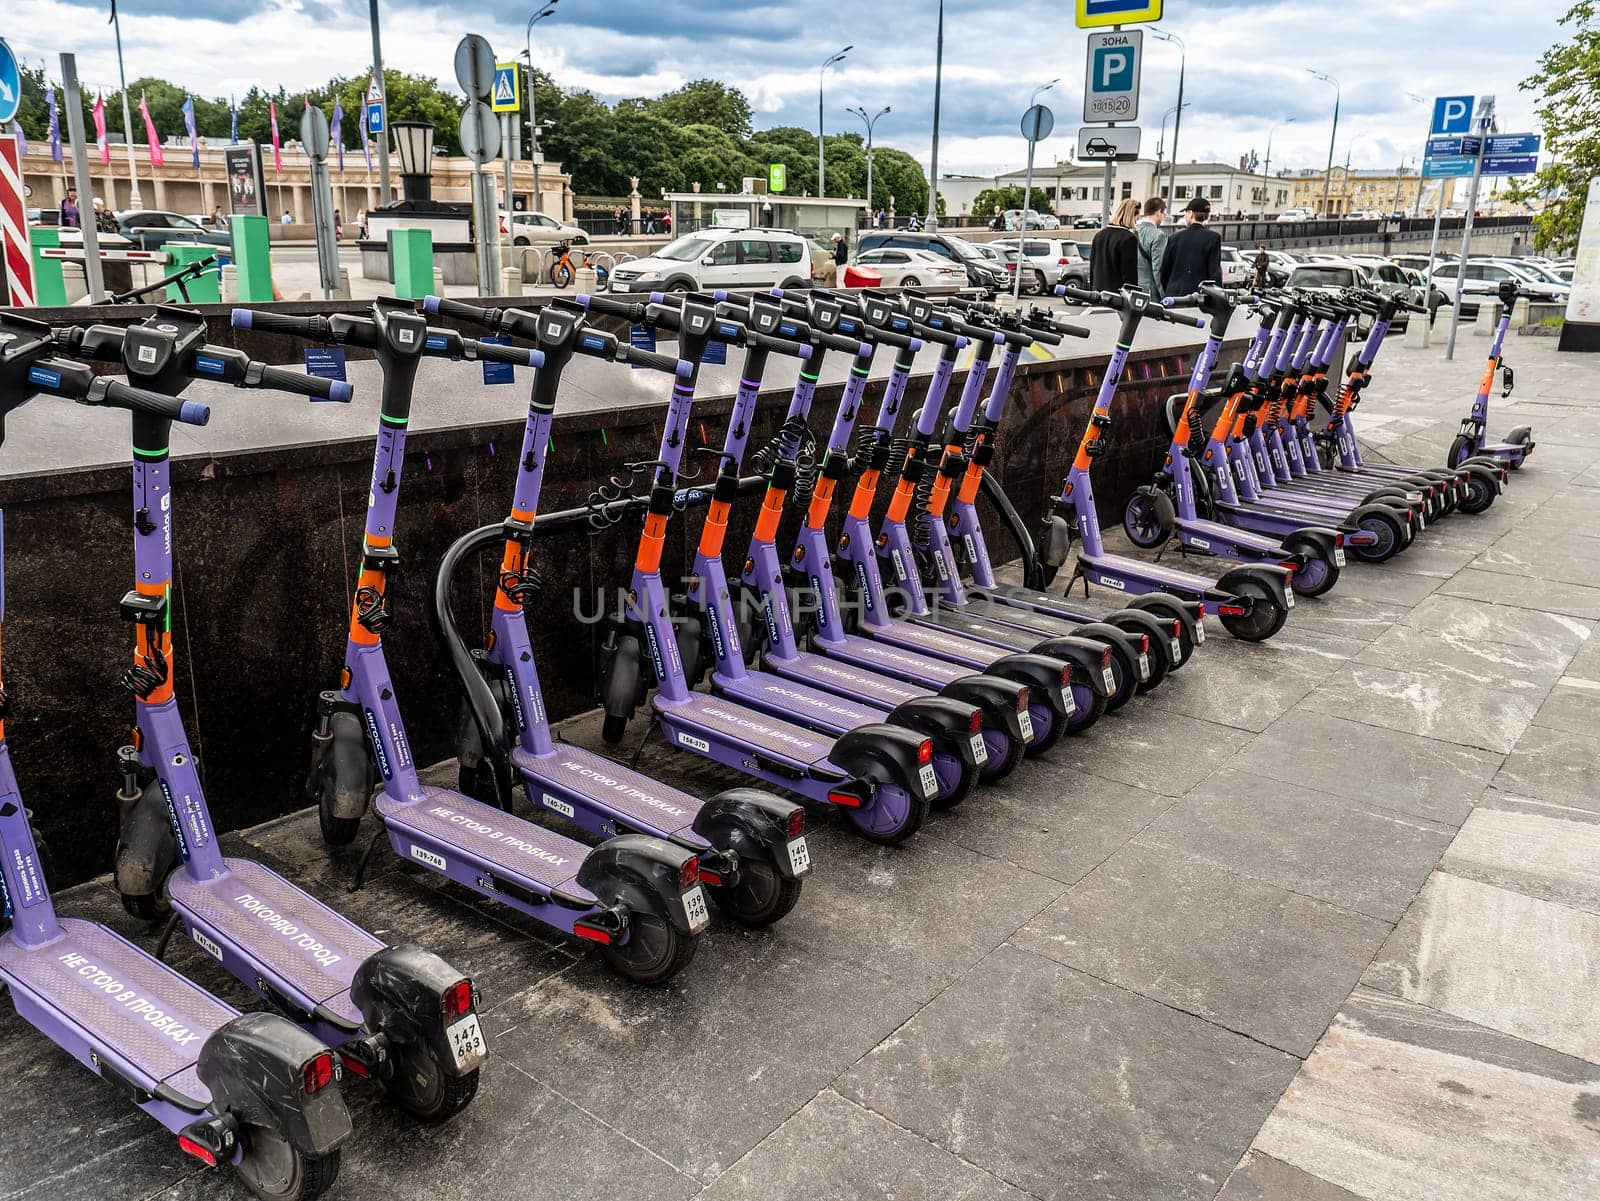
411	258
205	288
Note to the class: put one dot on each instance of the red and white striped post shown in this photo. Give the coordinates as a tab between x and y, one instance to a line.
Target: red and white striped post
14	226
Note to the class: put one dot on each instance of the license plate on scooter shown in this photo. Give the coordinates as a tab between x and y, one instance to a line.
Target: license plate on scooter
980	753
930	780
1199	633
1338	556
1422	521
1177	650
1025	723
799	856
1068	705
1288	598
694	908
466	1041
1144	667
1110	678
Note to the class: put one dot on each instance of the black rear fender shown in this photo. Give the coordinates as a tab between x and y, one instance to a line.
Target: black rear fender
253	1067
752	824
995	696
882	754
1086	656
400	993
944	719
1275	579
1046	676
640	873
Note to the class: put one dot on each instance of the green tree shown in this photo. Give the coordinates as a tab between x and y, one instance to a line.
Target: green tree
705	102
997	200
1568	85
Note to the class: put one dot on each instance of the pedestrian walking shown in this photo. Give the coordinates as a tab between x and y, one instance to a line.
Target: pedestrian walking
338	224
218	221
649	221
1263	267
1152	245
70	217
841	250
1114	253
666	221
105	221
288	217
1194	253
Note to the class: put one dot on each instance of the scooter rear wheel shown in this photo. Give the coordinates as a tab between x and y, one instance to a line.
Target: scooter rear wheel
957	779
654	953
420	1085
274	1170
894	816
761	897
1479	496
1391	537
1005	752
1317	576
1266	616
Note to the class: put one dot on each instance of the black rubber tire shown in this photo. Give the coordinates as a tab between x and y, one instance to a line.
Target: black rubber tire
1460	451
996	770
1478	498
612	729
1080	721
1040	287
911	281
965	785
476	782
1186	646
274	1171
763	895
1391	537
1149	518
147	907
1264	620
655	959
420	1086
560	275
1126	673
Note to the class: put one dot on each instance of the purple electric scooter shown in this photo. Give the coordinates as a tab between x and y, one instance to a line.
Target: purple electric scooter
1471	442
638	897
254	1091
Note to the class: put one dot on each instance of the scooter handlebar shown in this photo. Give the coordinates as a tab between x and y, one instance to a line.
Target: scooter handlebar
681	368
628	310
459	310
776	345
494	352
314	329
298	382
125	396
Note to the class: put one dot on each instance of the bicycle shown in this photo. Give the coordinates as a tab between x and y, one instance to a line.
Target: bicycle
564	267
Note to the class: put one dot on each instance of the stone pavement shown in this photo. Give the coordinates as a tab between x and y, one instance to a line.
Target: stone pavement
1319	921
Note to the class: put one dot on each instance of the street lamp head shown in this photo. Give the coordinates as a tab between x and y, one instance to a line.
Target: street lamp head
1164	36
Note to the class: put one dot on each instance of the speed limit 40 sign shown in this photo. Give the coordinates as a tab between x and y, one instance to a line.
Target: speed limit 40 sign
1111	82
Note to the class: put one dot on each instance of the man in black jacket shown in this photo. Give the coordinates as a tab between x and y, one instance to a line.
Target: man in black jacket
1194	253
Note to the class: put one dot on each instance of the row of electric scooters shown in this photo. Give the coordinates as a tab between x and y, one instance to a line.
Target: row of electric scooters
831	670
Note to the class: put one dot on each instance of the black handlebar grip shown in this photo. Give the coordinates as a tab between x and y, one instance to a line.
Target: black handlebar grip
1083	295
1045	335
1192	300
124	396
682	368
459	310
630	310
302	384
314	328
1064	329
800	350
494	352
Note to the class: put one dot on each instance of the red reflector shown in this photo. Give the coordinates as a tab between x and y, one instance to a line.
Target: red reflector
797	822
592	933
975	722
1177	628
689	874
317	1073
458	999
356	1066
1022	698
195	1149
1200	612
1105	657
709	877
1230	610
848	800
1338	540
1289	566
1066	675
1144	644
925	751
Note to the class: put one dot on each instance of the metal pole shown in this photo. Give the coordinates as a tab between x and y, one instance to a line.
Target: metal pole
1433	246
134	200
505	152
869	173
1327	178
1177	125
80	171
533	121
385	195
1482	125
822	179
1022	233
933	163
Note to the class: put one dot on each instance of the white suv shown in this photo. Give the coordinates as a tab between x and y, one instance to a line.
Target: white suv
719	258
541	229
1054	261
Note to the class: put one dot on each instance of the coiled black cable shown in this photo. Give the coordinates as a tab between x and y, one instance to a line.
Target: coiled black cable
148	673
370	610
522	586
796	444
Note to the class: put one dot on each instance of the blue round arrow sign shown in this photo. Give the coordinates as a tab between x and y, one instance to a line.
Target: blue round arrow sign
10	84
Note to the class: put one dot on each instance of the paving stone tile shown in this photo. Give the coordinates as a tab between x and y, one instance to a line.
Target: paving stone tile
1434	706
1567	561
1525	592
1554	765
1353	855
1547	851
1402	1103
1072	1088
1572	705
1586	663
1418	776
1510	962
1353	616
1553	637
1143	755
1262	1178
1464	660
1436	558
834	1150
1386	582
1238	952
1053	822
1249	685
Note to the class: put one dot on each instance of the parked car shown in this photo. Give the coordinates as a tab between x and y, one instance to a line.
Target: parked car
906	268
1055	261
1237	267
1295	215
150	229
1336	274
1478	279
1036	220
1280	264
981	273
1088	221
541	229
719	258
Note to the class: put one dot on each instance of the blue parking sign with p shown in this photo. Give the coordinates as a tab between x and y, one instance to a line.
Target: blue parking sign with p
1113	69
1452	114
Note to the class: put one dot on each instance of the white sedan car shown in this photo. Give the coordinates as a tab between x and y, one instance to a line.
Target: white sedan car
907	268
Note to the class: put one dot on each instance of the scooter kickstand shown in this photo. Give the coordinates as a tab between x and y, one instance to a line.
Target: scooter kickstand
166	935
366	856
639	750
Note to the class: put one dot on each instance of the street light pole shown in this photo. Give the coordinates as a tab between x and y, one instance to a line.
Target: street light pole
1177	121
533	123
1338	93
134	200
932	223
822	166
869	122
1266	167
384	193
1027	197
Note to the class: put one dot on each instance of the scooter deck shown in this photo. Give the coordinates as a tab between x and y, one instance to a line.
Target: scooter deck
704	723
600	784
1158	577
444	825
257	915
1200	528
118	1000
811	707
838	676
1004	636
942	644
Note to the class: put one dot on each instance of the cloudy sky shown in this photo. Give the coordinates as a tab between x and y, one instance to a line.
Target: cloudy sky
1247	61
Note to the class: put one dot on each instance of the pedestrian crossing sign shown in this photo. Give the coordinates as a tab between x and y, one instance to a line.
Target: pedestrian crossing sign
506	95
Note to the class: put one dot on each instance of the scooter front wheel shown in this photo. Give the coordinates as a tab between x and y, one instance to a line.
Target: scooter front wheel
654	952
1460	451
893	816
420	1085
274	1170
1148	518
1266	616
762	896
